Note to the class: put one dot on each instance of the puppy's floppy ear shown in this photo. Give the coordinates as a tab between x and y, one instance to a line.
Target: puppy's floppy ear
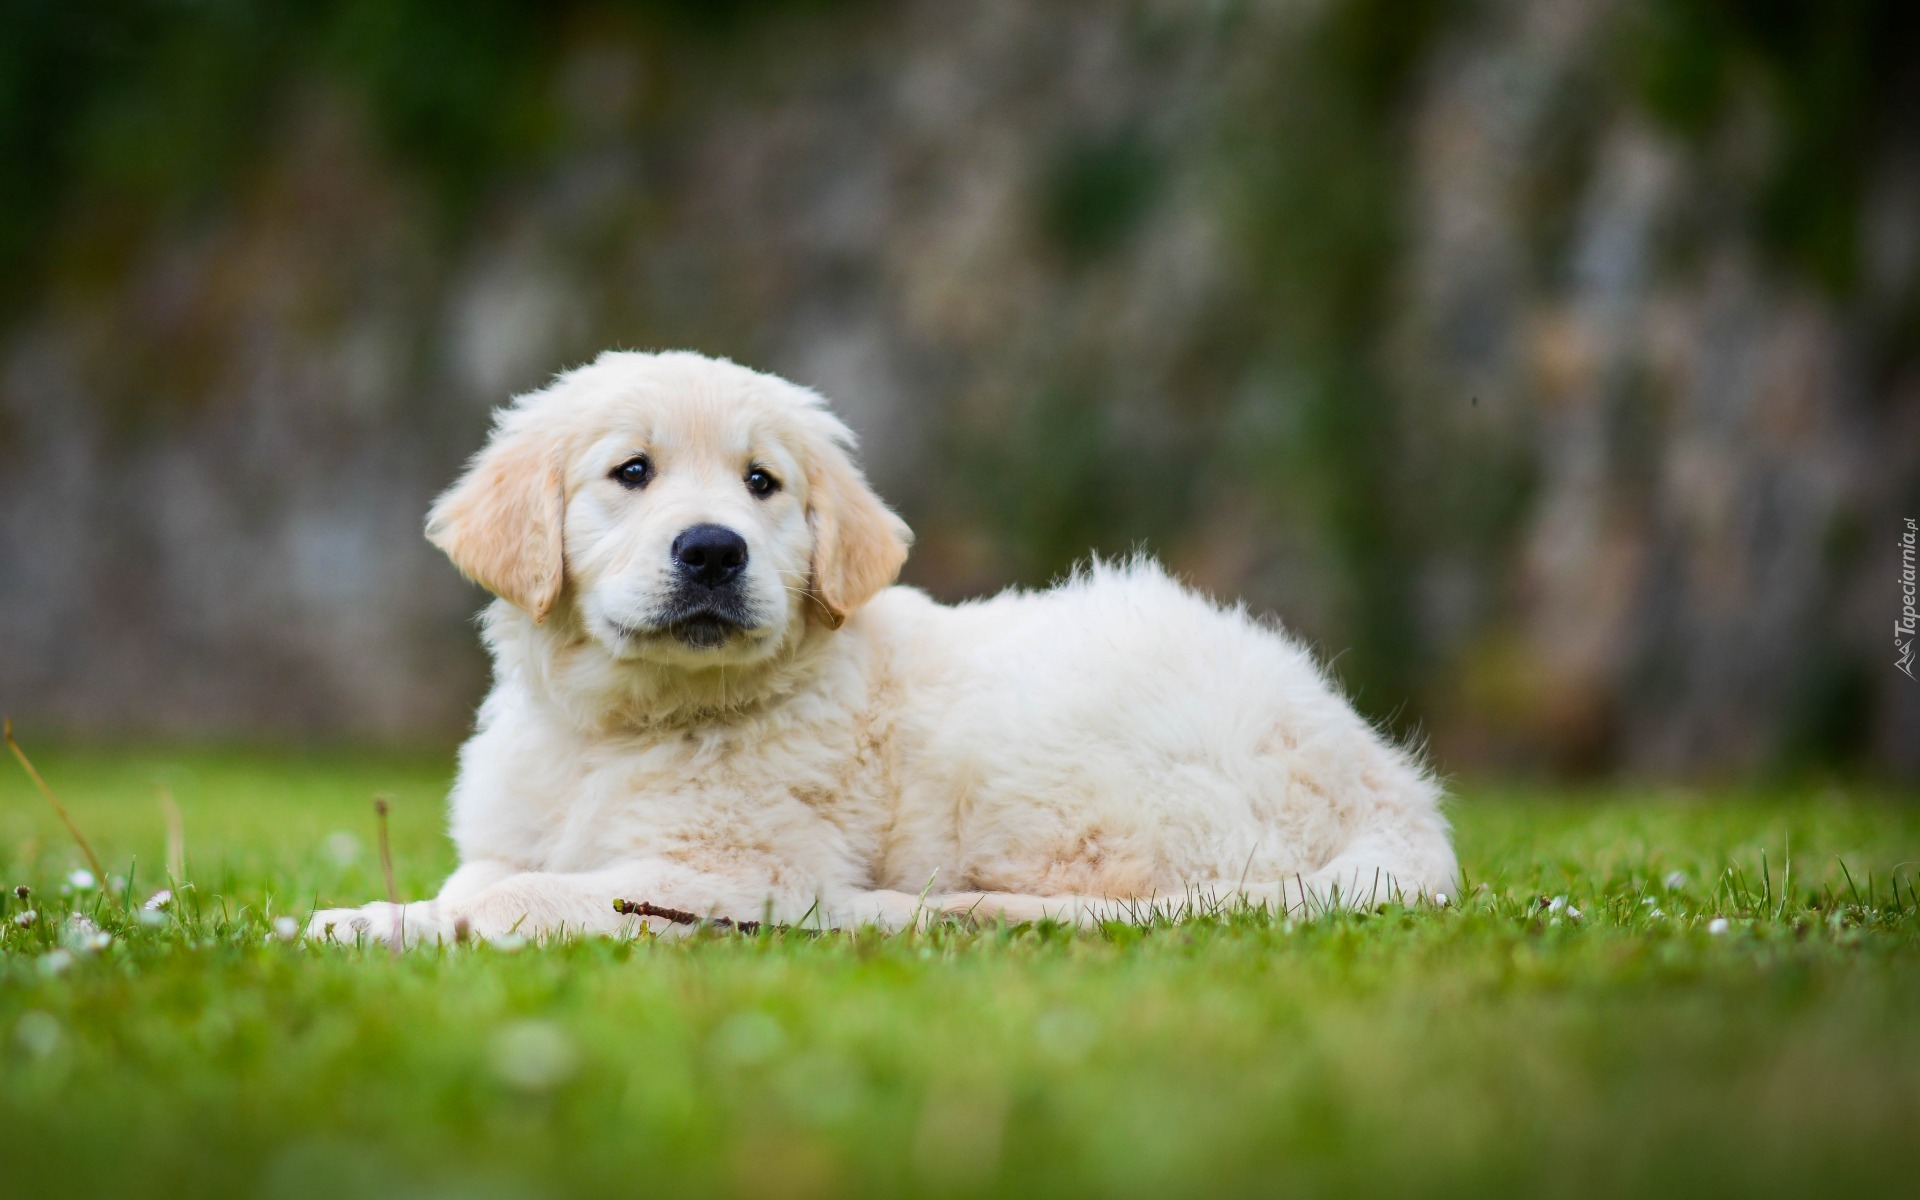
858	543
501	523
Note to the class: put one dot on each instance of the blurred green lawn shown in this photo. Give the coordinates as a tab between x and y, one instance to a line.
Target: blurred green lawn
1504	1044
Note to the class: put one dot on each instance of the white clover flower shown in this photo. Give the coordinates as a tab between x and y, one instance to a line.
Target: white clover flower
55	961
85	936
38	1034
1656	913
286	928
26	919
158	900
342	847
81	880
1440	898
1675	880
1556	904
534	1056
1573	913
1717	926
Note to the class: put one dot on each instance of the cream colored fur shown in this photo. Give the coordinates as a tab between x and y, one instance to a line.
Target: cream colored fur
857	754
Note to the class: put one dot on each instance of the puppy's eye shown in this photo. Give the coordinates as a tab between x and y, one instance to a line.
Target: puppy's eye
636	472
761	483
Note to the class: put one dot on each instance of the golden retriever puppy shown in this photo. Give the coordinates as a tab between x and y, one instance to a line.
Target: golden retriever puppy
708	696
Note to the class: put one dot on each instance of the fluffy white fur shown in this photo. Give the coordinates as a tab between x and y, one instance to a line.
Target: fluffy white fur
853	753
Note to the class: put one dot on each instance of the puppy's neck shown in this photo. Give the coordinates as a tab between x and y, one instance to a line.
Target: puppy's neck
562	667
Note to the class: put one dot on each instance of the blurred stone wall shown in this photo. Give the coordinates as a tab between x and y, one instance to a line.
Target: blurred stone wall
1469	339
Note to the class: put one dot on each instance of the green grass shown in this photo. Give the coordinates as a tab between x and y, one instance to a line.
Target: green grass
1497	1045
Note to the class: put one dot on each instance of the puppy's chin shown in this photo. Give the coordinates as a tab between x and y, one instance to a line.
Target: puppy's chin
705	631
697	640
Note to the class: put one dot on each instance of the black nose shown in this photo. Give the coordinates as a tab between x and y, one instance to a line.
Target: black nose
710	554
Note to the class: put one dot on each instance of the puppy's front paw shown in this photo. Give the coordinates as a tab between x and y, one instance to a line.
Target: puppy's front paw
987	908
341	925
414	924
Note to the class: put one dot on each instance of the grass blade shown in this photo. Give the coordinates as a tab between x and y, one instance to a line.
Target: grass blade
93	860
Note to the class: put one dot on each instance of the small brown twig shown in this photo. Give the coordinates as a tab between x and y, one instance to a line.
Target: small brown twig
380	807
93	860
680	916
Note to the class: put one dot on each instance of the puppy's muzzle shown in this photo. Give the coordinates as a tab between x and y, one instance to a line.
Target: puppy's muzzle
707	607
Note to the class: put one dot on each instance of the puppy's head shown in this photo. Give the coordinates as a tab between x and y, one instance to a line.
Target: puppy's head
680	510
